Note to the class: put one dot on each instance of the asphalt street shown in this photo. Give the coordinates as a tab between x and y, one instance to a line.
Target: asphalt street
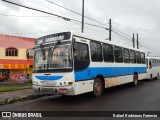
144	97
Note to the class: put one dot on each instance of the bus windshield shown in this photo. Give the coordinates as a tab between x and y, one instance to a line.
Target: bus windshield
40	58
53	57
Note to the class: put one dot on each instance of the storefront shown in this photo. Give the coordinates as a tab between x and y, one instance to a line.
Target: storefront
14	60
14	71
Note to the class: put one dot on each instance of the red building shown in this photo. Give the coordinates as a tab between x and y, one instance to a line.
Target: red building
13	56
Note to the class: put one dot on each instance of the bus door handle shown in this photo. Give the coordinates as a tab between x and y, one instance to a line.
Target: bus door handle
89	72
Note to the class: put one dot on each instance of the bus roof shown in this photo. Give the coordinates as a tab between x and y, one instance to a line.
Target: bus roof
154	57
95	38
91	37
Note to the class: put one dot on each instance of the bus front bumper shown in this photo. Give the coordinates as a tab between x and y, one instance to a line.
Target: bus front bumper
64	90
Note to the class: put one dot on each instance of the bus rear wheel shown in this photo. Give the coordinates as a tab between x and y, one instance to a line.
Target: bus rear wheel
135	80
97	87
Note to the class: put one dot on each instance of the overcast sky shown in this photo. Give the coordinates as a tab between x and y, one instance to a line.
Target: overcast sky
128	16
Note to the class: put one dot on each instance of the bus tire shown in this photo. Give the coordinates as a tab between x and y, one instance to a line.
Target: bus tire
97	87
135	80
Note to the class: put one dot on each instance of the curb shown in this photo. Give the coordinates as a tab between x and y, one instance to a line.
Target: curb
22	98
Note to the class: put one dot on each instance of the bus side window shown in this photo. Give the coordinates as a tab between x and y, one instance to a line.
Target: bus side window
96	51
126	55
108	53
138	57
118	54
81	56
143	58
132	56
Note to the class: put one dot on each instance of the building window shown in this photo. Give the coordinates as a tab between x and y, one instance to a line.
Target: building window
11	52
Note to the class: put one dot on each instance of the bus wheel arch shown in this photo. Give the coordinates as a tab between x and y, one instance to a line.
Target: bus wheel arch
135	79
98	85
102	80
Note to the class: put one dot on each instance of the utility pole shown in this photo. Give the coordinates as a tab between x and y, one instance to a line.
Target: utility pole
82	30
133	41
110	29
137	42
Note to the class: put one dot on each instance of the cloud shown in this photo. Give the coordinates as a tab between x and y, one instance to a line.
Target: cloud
128	16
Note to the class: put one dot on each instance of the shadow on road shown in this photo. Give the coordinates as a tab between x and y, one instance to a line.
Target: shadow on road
89	97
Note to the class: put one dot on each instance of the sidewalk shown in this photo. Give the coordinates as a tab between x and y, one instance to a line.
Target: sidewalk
18	95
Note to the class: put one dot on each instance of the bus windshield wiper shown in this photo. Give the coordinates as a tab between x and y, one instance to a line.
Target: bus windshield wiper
53	47
51	50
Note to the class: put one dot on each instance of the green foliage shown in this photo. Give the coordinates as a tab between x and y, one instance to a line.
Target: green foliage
30	81
14	87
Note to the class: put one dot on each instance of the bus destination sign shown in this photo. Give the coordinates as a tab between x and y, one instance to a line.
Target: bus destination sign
53	37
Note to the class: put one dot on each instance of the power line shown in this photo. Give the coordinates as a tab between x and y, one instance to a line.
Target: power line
11	33
47	16
149	47
71	11
22	16
121	35
68	19
74	12
65	18
122	32
42	6
131	37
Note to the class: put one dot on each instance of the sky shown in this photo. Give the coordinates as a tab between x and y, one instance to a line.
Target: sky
128	17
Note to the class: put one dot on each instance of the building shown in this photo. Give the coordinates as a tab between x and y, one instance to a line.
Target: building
13	56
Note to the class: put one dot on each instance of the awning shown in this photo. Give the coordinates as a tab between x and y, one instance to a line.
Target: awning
15	64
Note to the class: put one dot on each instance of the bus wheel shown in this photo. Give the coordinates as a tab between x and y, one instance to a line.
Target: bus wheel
135	80
97	87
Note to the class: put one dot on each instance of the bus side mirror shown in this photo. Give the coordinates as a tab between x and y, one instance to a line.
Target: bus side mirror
27	54
30	53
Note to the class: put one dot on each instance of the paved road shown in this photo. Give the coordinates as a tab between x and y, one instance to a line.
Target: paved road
144	97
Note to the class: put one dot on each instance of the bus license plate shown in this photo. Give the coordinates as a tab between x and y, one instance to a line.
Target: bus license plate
63	90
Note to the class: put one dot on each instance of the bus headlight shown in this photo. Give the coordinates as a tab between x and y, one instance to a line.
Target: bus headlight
70	83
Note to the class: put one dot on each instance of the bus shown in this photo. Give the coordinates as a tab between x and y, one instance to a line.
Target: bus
153	67
70	63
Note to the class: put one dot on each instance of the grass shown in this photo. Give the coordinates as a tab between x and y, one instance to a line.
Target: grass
4	88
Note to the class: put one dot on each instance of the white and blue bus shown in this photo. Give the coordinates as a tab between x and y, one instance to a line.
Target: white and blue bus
70	63
153	67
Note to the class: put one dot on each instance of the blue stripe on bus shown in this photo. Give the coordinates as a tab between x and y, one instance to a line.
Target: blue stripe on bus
91	73
48	77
